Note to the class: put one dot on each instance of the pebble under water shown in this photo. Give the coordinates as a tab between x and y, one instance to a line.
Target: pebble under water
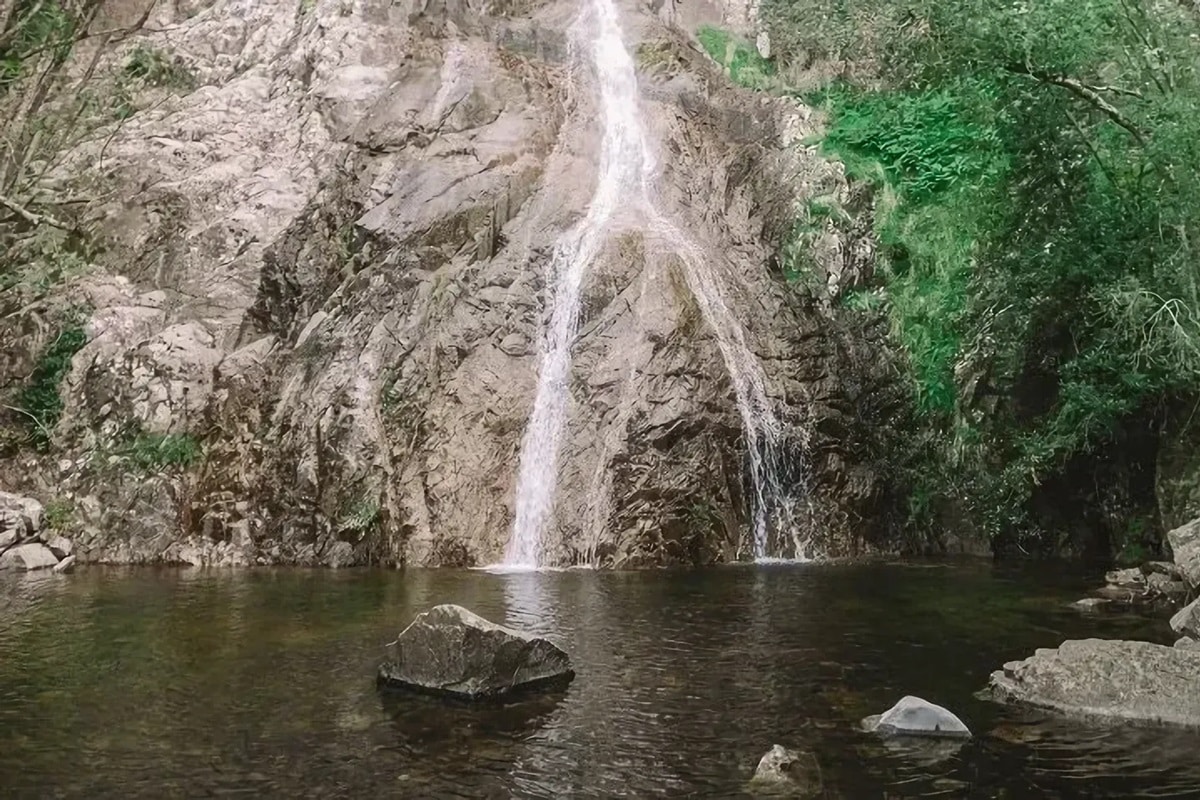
161	683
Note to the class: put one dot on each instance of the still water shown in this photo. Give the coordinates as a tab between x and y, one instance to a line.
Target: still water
143	683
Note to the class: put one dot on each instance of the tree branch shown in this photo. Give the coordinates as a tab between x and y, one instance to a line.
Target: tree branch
32	218
1083	92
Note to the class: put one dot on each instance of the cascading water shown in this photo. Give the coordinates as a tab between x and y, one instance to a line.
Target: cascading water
626	169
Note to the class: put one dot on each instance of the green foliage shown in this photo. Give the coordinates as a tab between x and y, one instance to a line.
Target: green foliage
360	515
60	513
746	67
35	27
1037	177
156	68
155	452
39	400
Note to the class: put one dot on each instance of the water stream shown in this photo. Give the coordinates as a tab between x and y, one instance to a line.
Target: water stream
625	176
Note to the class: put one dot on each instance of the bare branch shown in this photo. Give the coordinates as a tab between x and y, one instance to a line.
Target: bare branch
1083	92
32	218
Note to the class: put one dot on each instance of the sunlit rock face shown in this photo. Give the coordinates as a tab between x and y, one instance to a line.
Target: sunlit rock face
327	266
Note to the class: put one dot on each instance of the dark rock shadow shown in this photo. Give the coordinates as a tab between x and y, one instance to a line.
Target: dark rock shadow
432	722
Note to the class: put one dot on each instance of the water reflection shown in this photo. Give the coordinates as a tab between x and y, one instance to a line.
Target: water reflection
164	683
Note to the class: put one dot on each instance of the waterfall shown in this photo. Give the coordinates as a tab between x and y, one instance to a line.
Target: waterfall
626	169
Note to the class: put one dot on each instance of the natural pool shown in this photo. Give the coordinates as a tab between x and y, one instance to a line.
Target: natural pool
163	683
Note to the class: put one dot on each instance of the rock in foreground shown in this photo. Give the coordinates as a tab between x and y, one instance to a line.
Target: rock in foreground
29	556
913	716
1185	545
449	650
1107	679
789	772
1186	620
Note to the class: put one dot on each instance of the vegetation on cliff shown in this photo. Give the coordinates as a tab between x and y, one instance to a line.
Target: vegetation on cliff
1037	197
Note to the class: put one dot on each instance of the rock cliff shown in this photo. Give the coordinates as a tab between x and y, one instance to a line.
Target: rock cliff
312	329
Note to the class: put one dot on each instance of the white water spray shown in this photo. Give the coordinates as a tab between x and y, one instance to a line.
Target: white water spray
626	169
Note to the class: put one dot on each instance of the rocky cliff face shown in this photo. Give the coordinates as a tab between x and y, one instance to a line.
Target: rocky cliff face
325	267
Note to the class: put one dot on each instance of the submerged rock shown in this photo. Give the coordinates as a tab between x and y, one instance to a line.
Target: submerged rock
913	716
787	771
1090	603
449	650
1107	679
29	556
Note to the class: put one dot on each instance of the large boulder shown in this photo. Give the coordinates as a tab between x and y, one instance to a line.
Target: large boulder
28	556
1185	545
913	716
794	773
449	650
1186	621
20	517
1107	679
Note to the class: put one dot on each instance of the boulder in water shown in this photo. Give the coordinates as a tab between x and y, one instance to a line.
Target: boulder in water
449	650
787	771
913	716
1107	679
28	556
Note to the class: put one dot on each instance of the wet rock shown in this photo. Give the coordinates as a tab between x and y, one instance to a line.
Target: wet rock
28	556
450	650
1090	603
1106	679
1186	620
1162	568
66	565
1126	578
784	771
913	716
1185	546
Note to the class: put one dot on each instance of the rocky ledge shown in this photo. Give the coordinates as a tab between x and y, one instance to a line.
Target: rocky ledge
448	650
25	542
1107	680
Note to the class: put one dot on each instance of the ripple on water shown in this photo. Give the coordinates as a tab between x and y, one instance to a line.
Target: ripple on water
158	683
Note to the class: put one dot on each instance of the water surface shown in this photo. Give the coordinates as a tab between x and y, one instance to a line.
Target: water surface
149	683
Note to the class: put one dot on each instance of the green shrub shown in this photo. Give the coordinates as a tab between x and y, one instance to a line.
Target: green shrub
746	67
155	452
157	68
1037	181
39	400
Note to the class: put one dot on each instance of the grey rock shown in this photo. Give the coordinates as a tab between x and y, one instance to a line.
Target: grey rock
790	772
347	229
1186	621
21	515
1159	584
449	650
1162	568
66	565
1131	577
61	546
913	716
1185	548
28	556
1107	680
1187	643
